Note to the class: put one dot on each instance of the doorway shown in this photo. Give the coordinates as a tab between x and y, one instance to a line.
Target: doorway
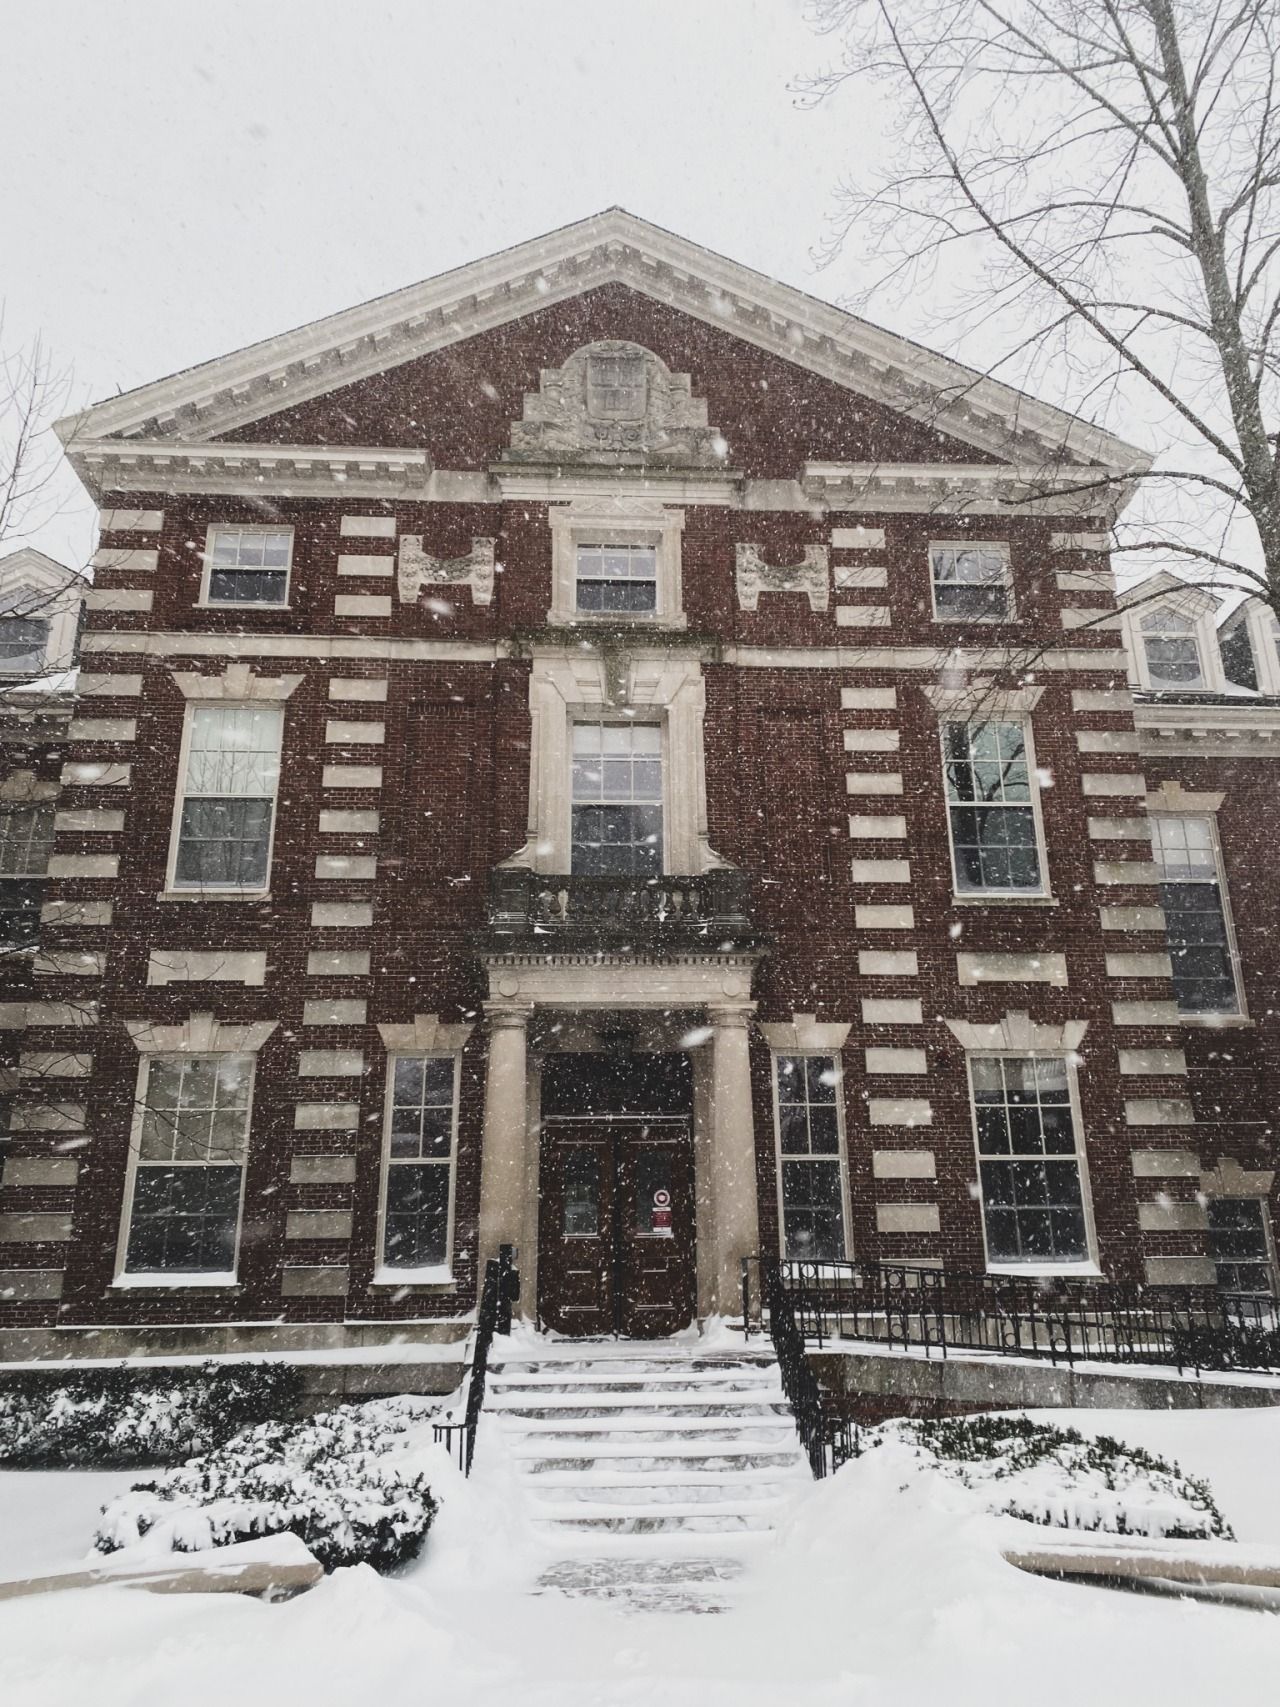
616	1234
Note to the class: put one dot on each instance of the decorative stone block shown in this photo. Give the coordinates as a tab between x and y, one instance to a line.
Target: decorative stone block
84	865
41	1228
1152	1061
899	1111
318	1224
351	776
868	699
1158	1111
352	734
320	1280
1144	1013
212	966
884	916
858	539
887	1060
335	1011
421	572
871	740
108	685
887	962
358	687
907	1218
130	521
811	577
863	616
102	729
350	563
1139	966
874	827
981	968
1114	782
326	1116
348	868
873	782
1165	1164
56	1171
848	575
880	871
342	915
96	774
338	963
1180	1271
361	604
119	600
29	1285
322	1170
349	823
892	1010
367	527
330	1064
902	1164
88	820
1172	1217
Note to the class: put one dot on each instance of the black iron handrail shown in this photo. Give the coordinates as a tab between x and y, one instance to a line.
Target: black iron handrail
827	1436
1056	1318
500	1290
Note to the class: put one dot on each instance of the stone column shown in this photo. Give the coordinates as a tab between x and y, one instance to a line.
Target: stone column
735	1229
502	1161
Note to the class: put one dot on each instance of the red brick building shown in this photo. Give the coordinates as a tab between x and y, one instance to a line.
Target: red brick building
604	753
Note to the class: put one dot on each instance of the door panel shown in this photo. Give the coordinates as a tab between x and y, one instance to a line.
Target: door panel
576	1234
616	1237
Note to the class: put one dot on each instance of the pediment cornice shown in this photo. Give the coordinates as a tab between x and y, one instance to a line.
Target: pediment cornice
217	397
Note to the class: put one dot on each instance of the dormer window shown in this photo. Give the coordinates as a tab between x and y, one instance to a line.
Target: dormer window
24	644
1172	650
617	580
616	389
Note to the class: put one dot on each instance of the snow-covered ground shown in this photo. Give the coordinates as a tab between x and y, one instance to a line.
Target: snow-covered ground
885	1588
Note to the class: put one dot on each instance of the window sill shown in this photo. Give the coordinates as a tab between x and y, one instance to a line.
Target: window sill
616	619
439	1279
1002	898
255	895
1046	1271
1217	1022
169	1282
238	605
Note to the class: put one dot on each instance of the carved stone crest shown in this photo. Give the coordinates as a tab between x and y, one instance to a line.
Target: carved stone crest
810	576
418	570
615	402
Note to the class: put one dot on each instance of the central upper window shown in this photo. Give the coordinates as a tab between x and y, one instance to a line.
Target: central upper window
248	566
617	580
617	800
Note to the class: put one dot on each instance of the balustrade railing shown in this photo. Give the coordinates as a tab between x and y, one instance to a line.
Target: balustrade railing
711	906
1055	1318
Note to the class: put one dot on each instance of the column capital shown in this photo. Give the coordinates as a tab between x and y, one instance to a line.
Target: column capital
730	1016
508	1016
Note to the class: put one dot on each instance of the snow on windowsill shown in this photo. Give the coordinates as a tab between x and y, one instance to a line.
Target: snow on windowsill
173	1280
1047	1271
439	1275
1004	898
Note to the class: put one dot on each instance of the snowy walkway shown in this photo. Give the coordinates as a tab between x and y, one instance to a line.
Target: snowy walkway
876	1592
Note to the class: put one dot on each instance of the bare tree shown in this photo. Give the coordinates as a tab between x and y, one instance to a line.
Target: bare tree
1102	176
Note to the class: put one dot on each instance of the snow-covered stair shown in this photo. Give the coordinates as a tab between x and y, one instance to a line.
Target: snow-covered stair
654	1473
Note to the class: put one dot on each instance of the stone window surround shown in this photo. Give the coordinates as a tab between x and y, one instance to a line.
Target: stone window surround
1172	800
1197	606
203	601
1018	1034
980	699
426	1035
802	1037
200	1034
669	690
237	684
619	520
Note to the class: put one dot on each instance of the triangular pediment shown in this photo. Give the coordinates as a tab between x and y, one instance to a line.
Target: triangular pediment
219	398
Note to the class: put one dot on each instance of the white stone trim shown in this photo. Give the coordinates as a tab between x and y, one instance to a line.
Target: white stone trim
366	563
981	699
358	687
83	865
1106	741
426	1034
1092	618
1158	1111
73	914
620	519
884	916
873	782
338	963
900	1112
419	572
1165	1164
330	1064
326	1116
1102	699
872	827
335	1010
367	527
1132	918
1018	1034
200	1034
811	576
192	965
848	575
1086	581
347	868
351	776
1155	1062
109	557
863	616
888	963
871	740
96	774
670	688
102	729
907	1218
361	604
880	871
1171	796
238	682
130	521
903	1164
805	1035
1116	873
1145	1013
892	1010
1119	829
343	733
108	685
24	786
686	982
341	915
868	699
1139	966
337	822
118	600
1229	1179
983	968
69	963
858	539
880	1058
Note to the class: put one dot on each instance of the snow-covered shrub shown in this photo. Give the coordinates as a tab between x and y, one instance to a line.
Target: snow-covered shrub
333	1480
131	1414
1056	1476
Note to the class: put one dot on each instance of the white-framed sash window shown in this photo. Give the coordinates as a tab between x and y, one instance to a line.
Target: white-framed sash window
812	1187
971	582
993	812
416	1237
226	804
247	566
1197	915
186	1168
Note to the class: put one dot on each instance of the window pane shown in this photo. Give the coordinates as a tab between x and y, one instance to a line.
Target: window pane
617	763
971	584
1239	1245
24	641
183	1220
1204	979
1029	1168
417	1224
813	1217
26	840
581	1194
250	566
620	579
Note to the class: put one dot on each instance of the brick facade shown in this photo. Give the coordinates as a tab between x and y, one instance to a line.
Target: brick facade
410	732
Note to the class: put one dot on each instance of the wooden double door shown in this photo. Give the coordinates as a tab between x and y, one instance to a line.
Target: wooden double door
616	1237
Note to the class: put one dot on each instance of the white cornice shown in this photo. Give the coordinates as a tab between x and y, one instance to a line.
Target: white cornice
611	247
975	489
287	471
1245	730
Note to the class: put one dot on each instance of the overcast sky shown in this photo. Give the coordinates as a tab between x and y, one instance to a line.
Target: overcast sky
182	177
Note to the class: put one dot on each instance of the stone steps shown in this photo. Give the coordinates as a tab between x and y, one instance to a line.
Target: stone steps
652	1472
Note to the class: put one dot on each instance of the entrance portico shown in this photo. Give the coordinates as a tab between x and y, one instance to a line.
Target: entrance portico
698	1004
